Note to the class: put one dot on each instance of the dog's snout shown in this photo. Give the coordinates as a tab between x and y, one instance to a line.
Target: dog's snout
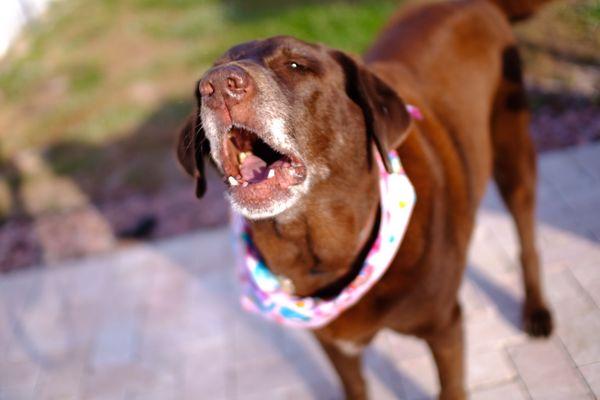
226	85
206	88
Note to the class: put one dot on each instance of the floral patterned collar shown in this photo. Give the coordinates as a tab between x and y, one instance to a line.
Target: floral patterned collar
265	294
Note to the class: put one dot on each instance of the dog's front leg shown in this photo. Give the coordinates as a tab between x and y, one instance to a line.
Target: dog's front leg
446	344
346	358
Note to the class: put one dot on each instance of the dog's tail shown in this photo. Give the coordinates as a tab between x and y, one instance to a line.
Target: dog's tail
518	10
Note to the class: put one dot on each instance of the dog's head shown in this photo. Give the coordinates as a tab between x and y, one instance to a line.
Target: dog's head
280	116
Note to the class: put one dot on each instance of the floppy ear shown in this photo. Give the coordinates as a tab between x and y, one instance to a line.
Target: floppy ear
191	149
386	117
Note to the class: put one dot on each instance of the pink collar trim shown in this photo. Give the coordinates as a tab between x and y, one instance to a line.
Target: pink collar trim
262	290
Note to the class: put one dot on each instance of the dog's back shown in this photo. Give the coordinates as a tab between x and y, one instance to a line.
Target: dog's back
458	53
458	61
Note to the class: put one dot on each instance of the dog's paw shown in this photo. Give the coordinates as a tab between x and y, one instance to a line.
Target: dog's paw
537	322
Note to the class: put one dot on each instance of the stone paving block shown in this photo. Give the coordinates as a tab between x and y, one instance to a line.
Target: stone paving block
160	393
206	371
185	325
566	242
585	203
491	251
547	371
581	335
270	374
299	341
193	313
473	302
547	195
18	379
491	331
117	382
582	202
85	281
588	276
566	296
591	374
508	391
166	348
216	245
419	378
116	342
60	383
378	389
380	365
298	391
254	338
504	233
173	313
40	328
555	212
588	158
560	170
384	378
488	368
206	382
501	293
488	255
404	347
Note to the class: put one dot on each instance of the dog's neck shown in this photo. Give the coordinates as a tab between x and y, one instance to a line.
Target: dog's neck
317	245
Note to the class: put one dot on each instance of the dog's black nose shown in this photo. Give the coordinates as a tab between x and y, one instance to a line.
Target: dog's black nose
230	83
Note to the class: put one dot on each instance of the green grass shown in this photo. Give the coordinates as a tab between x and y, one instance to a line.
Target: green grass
94	77
100	49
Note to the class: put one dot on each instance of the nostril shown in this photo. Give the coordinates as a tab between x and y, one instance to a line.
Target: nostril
236	83
232	84
206	89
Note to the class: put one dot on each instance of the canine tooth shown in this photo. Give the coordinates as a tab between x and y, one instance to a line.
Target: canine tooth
242	156
244	184
295	173
232	181
271	174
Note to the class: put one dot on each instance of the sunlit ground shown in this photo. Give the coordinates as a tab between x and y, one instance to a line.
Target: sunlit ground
160	321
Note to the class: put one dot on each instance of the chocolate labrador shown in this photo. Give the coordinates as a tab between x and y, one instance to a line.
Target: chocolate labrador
292	126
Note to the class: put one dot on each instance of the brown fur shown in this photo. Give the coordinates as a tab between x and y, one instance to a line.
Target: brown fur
458	63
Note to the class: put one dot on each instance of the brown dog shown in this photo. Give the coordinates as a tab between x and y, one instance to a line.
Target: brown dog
313	114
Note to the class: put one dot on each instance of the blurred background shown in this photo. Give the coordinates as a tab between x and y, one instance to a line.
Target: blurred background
117	283
92	94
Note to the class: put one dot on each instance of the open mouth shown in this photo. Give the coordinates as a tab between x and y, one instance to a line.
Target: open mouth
255	168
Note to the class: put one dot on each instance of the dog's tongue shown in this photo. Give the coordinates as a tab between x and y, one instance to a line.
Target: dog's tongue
253	169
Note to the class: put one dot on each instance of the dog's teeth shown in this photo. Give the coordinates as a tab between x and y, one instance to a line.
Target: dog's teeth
244	184
271	174
232	181
242	156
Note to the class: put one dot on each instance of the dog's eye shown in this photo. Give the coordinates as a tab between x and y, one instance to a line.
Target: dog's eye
296	66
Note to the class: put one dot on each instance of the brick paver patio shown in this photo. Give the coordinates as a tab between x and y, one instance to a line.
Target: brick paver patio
161	320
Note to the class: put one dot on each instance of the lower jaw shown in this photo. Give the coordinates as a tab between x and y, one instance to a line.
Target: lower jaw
256	207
